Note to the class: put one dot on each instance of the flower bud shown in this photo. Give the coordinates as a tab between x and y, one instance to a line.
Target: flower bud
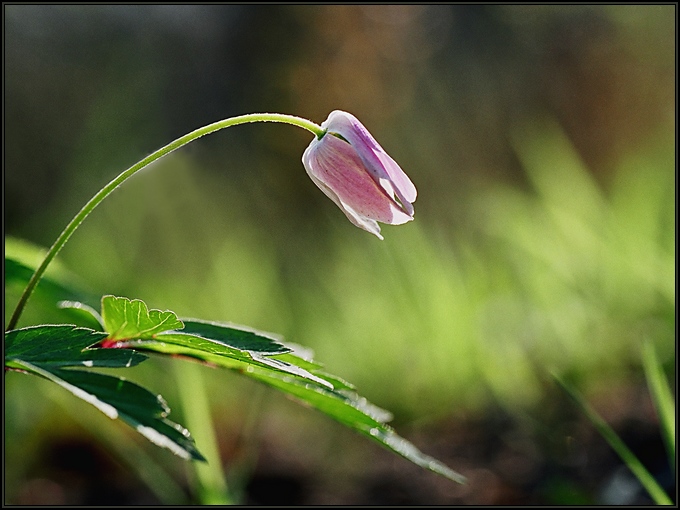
351	168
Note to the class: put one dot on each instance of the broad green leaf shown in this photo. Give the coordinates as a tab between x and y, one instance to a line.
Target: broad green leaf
313	367
65	345
262	348
206	349
239	337
117	398
125	319
21	260
134	326
264	358
347	407
356	412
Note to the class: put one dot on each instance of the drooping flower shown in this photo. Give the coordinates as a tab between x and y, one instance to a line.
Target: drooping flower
351	168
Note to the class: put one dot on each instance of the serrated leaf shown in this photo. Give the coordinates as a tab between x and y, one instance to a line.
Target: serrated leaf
268	360
65	345
389	438
118	398
206	349
125	319
315	368
238	337
261	347
346	407
360	415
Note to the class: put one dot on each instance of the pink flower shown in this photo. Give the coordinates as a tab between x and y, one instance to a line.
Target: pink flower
349	166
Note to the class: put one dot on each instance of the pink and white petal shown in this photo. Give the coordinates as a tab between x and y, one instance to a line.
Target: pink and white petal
379	164
348	126
341	169
406	191
312	163
358	175
360	221
399	217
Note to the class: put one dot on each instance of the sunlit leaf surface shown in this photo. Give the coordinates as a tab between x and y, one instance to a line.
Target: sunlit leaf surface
125	318
268	360
65	346
118	398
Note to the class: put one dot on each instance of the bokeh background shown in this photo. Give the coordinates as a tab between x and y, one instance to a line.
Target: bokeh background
542	143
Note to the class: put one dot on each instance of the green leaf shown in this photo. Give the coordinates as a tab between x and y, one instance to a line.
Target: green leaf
21	260
65	345
628	457
261	349
124	319
344	406
84	312
302	357
239	337
263	357
117	398
43	350
356	412
296	376
216	353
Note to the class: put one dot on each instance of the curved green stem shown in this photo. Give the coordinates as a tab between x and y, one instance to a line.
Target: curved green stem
106	190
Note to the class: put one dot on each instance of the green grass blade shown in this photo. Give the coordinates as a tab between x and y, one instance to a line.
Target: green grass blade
662	397
628	457
209	483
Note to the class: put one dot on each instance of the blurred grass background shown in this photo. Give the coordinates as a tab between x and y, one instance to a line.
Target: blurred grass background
542	143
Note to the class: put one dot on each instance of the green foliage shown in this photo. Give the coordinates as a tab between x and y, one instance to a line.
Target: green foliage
118	398
238	337
45	350
125	319
58	283
64	346
131	328
83	314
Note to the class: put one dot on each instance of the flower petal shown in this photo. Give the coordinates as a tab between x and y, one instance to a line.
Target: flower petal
359	221
351	168
377	161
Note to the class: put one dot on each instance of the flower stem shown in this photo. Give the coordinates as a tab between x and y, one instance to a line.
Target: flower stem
106	190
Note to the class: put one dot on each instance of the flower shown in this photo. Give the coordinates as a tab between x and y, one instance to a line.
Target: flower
351	168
